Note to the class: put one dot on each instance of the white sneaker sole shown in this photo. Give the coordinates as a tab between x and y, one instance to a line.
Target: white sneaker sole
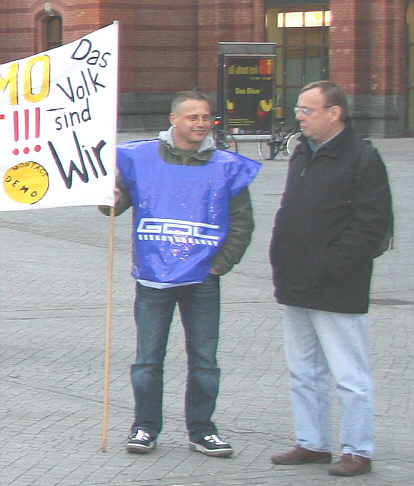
140	449
208	452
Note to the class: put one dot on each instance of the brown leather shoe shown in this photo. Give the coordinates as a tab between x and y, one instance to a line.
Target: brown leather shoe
350	465
300	455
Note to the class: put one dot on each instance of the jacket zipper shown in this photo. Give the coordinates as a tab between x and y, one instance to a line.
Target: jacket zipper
311	161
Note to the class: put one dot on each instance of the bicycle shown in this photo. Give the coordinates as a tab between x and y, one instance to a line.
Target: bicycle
283	140
223	140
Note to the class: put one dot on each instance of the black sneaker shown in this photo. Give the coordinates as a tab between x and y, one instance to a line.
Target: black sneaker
140	442
212	445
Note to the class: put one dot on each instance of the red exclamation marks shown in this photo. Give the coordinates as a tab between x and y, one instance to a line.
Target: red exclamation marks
16	130
37	127
16	125
26	150
26	124
37	122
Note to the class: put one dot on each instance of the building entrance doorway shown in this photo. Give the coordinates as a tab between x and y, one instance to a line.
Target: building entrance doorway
302	51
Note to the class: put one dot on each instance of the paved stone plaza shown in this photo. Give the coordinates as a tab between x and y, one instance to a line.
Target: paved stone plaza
53	300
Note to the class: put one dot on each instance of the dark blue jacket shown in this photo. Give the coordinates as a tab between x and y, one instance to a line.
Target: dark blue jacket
329	225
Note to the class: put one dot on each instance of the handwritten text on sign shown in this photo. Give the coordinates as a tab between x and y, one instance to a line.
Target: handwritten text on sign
57	125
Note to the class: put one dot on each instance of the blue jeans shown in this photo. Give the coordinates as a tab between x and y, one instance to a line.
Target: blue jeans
199	306
319	344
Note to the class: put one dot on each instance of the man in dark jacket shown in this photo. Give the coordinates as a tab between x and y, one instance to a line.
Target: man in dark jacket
334	213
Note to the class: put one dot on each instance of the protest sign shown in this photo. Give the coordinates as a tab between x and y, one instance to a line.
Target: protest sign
58	125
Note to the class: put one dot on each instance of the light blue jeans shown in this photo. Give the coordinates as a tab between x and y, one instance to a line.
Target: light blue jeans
320	345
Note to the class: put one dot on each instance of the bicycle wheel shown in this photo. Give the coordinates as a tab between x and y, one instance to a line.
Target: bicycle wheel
225	142
292	142
268	150
230	144
263	149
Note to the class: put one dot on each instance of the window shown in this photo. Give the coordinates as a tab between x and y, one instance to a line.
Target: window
318	18
49	30
302	51
53	31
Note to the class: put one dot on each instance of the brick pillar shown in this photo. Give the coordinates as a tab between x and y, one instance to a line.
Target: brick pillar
388	44
368	59
349	45
399	54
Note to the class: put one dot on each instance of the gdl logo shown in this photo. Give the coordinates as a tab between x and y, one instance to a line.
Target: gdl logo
176	230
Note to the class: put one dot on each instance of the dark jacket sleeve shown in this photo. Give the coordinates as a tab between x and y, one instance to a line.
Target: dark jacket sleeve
240	233
372	212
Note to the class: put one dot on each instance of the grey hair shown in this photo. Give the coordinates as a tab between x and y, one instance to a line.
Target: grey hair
334	95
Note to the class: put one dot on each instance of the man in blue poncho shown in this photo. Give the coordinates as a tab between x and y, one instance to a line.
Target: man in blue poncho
192	221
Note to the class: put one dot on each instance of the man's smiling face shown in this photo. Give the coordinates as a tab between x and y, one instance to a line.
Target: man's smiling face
192	120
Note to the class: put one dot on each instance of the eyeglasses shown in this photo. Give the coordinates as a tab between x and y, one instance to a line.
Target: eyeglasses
307	111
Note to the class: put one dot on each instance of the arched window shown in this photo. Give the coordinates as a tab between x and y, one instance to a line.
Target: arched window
49	30
53	31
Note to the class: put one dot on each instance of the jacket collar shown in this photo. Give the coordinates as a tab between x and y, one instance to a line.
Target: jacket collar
333	146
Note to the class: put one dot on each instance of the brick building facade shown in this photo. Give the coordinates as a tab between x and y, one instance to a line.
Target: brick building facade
168	46
368	57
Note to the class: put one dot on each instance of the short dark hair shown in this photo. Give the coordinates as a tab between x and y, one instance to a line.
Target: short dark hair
333	93
182	96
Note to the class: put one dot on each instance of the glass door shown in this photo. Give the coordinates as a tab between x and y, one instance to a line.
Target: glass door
302	51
